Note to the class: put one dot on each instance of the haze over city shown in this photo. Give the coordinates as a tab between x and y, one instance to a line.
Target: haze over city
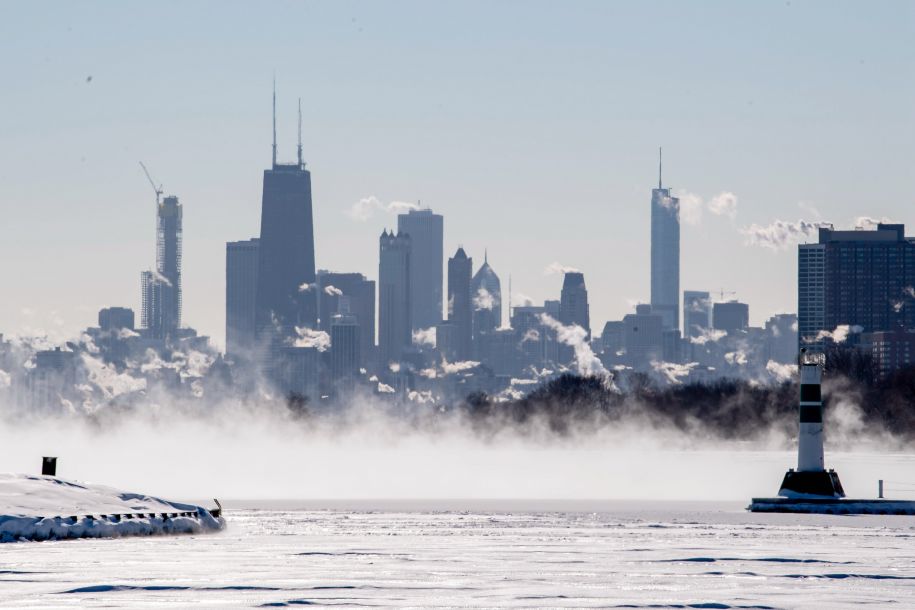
533	130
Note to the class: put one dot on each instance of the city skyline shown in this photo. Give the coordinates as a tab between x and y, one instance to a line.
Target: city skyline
603	185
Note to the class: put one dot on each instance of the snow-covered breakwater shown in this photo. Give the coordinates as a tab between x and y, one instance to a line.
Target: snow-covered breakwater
48	508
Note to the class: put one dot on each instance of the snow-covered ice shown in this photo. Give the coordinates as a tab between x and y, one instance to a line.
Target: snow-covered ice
49	508
481	554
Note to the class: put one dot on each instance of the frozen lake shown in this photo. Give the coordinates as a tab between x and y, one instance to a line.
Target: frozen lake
481	554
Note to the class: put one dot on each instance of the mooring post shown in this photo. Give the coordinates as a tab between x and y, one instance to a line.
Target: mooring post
49	466
880	489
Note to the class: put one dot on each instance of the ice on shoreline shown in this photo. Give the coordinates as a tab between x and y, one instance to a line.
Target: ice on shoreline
49	508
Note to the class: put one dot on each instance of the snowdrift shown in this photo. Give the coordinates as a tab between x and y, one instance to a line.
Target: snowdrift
48	508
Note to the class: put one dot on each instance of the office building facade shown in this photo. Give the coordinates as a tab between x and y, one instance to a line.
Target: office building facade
426	231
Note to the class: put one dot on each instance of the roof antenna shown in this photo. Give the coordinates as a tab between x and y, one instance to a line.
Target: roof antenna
510	299
274	121
659	167
485	256
300	133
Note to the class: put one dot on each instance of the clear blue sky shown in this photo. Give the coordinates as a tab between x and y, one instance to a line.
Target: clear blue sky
532	126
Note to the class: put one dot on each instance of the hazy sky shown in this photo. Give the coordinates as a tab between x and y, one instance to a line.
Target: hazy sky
532	126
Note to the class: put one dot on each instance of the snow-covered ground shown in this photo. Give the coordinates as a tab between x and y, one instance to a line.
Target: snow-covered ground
483	554
49	508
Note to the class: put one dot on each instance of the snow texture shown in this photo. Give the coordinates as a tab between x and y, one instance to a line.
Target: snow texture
483	554
48	508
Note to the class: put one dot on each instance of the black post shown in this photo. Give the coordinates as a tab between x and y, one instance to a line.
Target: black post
49	466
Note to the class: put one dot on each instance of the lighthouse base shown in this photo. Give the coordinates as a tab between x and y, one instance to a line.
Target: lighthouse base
832	506
811	484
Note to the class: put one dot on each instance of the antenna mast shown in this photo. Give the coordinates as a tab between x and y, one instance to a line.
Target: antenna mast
274	121
659	167
300	133
157	189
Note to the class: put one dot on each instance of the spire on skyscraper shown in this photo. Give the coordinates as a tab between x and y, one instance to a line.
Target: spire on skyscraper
300	133
274	121
659	167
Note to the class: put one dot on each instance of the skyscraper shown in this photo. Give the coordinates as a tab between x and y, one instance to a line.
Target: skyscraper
427	235
286	253
359	294
241	288
345	344
697	312
460	302
811	294
731	316
161	308
486	291
395	334
573	303
856	278
665	254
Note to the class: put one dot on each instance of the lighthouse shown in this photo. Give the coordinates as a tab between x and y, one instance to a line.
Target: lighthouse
811	479
811	488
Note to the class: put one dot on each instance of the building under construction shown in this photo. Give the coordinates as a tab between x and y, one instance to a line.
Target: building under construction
161	310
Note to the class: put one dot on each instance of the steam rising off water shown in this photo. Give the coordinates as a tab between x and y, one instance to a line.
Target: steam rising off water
370	453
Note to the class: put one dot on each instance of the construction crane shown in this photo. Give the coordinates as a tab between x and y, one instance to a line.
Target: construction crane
723	292
157	189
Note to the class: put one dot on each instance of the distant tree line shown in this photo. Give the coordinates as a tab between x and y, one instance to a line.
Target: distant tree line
724	409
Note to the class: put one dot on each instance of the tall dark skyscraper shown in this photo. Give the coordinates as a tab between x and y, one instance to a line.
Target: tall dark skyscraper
858	278
460	303
161	309
427	235
665	254
394	332
486	291
241	287
286	256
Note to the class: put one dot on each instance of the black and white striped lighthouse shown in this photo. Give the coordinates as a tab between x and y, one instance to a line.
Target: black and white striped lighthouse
811	479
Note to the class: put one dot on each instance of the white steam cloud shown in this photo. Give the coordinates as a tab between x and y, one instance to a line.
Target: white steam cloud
332	291
869	224
575	337
780	234
308	337
424	336
483	300
672	372
723	204
708	335
781	372
692	206
556	267
840	334
366	207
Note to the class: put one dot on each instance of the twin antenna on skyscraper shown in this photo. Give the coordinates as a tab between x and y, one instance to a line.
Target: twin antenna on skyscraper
299	148
152	183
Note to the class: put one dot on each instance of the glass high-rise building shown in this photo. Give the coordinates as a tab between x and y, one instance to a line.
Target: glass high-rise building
697	312
486	290
241	287
460	303
285	295
359	295
161	307
395	334
856	278
573	307
665	255
427	237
